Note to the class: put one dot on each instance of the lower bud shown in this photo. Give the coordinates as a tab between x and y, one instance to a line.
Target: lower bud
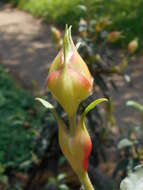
76	147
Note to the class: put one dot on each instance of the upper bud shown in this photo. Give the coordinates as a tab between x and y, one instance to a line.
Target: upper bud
69	78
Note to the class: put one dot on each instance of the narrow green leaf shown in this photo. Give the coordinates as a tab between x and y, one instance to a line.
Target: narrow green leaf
61	177
78	45
45	103
93	104
135	105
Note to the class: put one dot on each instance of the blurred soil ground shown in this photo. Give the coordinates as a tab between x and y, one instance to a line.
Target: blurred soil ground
25	46
26	49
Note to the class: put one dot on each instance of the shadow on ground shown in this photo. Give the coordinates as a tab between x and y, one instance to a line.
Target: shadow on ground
25	46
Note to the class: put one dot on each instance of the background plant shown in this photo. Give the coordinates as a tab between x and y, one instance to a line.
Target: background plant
125	15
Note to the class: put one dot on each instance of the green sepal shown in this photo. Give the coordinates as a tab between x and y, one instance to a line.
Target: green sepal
67	44
45	103
93	104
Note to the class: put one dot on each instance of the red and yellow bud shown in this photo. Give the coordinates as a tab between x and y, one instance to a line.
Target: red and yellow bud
70	82
76	147
69	79
75	141
113	36
133	46
57	37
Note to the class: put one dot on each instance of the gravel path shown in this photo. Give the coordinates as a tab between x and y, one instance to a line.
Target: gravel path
25	45
26	49
127	117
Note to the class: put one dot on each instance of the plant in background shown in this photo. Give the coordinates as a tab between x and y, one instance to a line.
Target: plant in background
56	183
57	37
133	46
134	180
70	82
137	106
131	153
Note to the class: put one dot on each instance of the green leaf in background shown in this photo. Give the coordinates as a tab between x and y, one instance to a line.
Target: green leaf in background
19	118
135	105
45	103
134	181
125	143
2	168
63	187
60	177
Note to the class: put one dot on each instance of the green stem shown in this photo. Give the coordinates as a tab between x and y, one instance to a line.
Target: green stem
72	123
85	181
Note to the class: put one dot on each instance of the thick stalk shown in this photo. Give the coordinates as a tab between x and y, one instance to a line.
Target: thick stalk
85	181
72	123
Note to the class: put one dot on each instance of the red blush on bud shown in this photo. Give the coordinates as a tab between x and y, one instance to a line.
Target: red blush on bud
88	149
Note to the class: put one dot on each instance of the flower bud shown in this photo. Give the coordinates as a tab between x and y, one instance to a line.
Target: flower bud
132	46
113	36
56	34
76	147
69	79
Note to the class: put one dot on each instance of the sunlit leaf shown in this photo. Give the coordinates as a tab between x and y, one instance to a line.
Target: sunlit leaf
82	7
78	45
63	187
135	105
61	177
25	164
45	103
134	181
125	143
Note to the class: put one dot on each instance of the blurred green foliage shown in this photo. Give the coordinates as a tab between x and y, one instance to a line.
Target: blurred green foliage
126	16
56	11
19	120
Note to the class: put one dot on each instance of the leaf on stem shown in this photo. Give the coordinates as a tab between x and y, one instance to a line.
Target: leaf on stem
45	103
93	104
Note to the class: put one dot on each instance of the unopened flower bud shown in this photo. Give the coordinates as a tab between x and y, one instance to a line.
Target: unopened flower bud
77	147
132	46
56	34
113	36
69	79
